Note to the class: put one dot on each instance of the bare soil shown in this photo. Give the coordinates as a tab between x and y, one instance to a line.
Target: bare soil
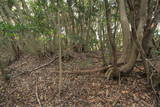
40	88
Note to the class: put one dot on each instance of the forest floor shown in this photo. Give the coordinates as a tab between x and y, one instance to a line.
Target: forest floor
40	88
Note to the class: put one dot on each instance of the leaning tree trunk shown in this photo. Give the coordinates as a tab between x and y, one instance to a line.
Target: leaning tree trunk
111	41
130	52
136	35
126	33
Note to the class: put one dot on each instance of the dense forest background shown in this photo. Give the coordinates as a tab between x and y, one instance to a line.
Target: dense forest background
120	36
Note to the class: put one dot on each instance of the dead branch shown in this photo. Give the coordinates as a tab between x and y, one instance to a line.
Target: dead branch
99	69
138	68
37	68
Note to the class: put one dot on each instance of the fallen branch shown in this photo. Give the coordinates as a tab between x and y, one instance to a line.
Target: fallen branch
99	69
37	68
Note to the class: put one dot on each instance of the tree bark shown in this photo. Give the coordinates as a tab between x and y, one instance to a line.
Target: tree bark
126	33
137	34
111	38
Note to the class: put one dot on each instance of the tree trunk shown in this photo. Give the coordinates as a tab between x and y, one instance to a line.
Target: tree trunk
137	35
126	33
147	42
111	39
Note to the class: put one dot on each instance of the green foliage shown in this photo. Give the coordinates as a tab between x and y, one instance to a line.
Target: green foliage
80	21
157	52
35	46
39	27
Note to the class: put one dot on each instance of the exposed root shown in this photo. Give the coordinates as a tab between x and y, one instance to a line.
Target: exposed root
112	74
108	73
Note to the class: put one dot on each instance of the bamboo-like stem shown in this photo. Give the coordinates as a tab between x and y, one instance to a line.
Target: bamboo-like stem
60	52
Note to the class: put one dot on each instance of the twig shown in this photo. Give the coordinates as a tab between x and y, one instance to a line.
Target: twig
116	100
37	96
151	64
119	79
147	104
138	68
157	97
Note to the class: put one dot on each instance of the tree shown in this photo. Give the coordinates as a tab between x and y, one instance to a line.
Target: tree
137	30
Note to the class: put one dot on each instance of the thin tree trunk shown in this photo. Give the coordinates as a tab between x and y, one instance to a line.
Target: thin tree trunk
101	43
111	38
60	49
